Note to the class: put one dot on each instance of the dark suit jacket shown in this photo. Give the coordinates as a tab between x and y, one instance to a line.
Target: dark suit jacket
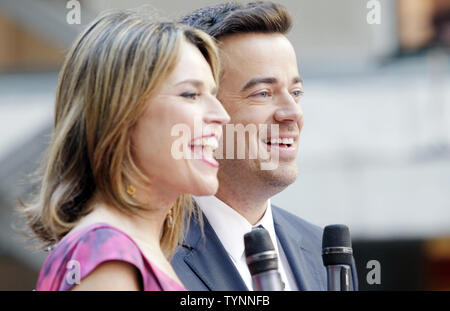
204	264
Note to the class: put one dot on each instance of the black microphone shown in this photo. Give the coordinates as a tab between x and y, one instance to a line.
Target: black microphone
262	261
337	256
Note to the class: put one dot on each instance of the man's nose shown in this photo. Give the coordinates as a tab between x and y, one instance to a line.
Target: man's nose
288	110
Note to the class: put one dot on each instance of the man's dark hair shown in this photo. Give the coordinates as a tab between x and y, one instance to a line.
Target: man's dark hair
232	18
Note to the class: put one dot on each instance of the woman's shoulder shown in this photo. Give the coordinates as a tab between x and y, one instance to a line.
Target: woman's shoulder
82	251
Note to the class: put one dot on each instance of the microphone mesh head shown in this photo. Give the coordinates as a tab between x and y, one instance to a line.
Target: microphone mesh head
336	236
257	241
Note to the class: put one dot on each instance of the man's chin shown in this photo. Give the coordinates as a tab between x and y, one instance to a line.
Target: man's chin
281	177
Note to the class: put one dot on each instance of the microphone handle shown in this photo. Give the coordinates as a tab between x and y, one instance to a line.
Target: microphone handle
338	277
267	281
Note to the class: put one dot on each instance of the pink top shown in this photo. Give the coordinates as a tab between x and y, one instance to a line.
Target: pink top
81	251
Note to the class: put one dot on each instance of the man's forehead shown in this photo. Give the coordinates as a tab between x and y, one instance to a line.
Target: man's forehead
254	49
229	43
255	55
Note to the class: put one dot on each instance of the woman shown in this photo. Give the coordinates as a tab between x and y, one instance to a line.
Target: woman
112	196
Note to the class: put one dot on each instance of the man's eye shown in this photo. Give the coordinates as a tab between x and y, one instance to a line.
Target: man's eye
297	93
190	95
263	94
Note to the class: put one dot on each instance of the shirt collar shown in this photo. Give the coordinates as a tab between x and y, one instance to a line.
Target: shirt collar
230	226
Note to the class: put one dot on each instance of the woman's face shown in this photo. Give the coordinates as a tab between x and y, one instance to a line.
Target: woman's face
188	95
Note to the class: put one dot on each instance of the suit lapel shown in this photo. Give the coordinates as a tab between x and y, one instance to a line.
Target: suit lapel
209	260
301	261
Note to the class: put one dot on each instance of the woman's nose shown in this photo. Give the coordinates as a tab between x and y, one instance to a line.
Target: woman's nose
216	113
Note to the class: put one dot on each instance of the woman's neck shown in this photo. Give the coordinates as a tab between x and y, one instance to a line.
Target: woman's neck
145	225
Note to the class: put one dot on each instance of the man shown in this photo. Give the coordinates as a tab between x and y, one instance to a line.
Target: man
259	84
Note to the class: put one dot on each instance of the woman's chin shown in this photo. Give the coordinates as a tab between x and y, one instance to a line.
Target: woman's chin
203	179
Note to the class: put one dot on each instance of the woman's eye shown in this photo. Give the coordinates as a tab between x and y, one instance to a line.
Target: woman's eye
190	95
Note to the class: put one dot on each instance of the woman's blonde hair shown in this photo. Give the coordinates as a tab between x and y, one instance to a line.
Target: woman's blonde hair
110	72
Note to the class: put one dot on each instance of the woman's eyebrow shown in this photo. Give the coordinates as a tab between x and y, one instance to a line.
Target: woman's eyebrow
194	82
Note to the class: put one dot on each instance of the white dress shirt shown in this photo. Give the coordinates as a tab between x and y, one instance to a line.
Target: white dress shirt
230	227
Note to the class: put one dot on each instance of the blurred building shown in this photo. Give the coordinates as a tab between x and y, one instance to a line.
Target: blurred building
375	150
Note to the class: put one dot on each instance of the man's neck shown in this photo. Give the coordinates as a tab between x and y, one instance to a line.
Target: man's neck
248	206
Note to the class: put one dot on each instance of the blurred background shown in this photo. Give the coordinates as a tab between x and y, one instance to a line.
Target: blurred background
375	148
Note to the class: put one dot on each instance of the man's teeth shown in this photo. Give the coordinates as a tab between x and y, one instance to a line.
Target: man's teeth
211	142
284	141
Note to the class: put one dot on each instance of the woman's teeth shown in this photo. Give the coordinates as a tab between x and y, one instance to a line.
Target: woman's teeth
203	149
207	142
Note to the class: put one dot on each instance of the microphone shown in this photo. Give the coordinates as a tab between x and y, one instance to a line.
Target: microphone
337	256
262	261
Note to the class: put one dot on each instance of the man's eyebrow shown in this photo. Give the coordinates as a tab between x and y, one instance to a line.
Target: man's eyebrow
268	80
256	81
297	79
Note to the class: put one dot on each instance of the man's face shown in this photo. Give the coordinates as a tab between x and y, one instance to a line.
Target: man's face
260	84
